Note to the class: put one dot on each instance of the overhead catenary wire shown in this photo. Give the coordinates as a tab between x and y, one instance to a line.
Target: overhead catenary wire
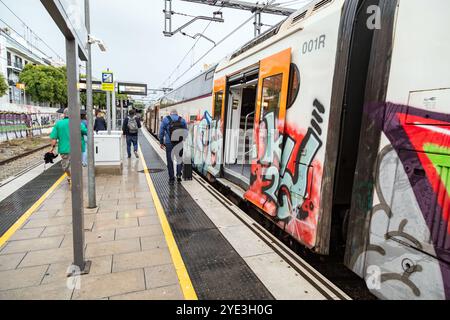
217	44
34	33
187	53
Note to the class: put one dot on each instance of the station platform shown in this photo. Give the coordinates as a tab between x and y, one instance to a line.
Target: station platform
146	240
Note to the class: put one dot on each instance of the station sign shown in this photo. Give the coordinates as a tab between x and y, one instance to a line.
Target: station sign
136	89
96	86
107	81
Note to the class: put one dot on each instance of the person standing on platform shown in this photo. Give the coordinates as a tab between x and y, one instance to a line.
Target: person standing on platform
100	123
172	131
61	135
130	128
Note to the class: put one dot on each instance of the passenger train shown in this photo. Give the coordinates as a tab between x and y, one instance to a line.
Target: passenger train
337	121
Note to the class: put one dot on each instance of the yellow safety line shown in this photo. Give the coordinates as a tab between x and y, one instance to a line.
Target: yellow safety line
183	276
8	234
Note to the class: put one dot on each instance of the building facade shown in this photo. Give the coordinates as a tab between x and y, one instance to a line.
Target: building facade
15	54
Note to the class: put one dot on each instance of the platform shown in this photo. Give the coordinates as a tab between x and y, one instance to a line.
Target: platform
149	240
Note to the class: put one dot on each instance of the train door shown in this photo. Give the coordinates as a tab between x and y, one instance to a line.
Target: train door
240	111
268	130
214	129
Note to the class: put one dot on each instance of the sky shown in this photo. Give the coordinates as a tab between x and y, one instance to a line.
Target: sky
132	31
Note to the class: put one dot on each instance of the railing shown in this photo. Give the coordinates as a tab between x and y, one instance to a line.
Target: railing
245	137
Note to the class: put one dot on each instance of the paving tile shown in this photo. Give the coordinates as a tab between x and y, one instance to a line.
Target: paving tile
280	279
160	276
45	257
32	244
23	234
141	212
148	220
112	247
90	237
53	291
48	222
141	259
143	231
146	204
115	224
102	216
63	229
43	214
165	293
113	284
19	278
153	242
58	271
221	217
10	261
244	241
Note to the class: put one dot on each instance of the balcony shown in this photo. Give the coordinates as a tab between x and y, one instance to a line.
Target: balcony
15	65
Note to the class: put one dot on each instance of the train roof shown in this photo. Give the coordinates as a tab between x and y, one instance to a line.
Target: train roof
290	24
198	86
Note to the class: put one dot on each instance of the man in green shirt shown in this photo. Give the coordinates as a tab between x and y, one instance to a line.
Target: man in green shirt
61	135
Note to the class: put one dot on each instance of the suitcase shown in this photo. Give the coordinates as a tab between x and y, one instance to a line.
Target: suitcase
187	171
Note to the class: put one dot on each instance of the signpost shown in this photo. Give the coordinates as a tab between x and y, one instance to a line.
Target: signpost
108	87
69	16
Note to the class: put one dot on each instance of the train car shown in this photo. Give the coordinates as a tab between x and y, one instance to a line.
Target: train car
336	122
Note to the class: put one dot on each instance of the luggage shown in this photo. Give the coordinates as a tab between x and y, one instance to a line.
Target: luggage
187	171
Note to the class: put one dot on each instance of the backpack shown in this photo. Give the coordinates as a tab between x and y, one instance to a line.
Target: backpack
173	127
132	125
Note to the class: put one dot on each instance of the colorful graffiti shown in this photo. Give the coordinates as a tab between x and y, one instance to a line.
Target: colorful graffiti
285	176
204	142
409	222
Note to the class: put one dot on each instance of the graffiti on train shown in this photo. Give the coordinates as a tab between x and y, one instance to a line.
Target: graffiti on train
411	205
204	143
286	177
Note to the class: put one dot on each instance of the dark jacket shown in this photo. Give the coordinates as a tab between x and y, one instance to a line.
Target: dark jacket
99	124
125	126
164	132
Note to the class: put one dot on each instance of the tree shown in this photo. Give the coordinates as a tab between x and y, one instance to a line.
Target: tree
3	85
45	83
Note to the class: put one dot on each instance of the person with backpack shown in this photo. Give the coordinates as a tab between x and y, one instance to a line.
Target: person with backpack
172	132
130	128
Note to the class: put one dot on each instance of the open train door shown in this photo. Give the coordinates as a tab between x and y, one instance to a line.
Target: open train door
268	130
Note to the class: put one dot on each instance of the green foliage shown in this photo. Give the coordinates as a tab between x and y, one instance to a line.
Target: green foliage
45	83
3	85
99	99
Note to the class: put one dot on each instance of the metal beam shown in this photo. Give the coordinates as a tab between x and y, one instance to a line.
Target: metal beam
242	5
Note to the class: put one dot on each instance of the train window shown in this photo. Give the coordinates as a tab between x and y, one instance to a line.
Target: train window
294	85
218	101
209	75
271	94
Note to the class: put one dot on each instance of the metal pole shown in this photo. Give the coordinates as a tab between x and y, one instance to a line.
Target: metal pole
108	111
75	154
121	113
114	108
92	202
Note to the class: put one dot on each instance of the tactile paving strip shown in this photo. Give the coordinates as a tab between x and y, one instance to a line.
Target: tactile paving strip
16	204
217	271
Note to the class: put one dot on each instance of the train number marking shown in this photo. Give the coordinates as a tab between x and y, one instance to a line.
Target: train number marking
314	44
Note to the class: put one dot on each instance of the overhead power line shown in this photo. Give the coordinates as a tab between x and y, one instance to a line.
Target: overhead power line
217	44
33	32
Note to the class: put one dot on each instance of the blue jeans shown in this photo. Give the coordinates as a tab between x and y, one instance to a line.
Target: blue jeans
170	157
134	140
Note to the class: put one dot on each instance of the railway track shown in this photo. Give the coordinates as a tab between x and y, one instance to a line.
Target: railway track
9	172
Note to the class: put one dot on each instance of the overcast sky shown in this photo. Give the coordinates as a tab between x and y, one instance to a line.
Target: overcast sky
132	31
